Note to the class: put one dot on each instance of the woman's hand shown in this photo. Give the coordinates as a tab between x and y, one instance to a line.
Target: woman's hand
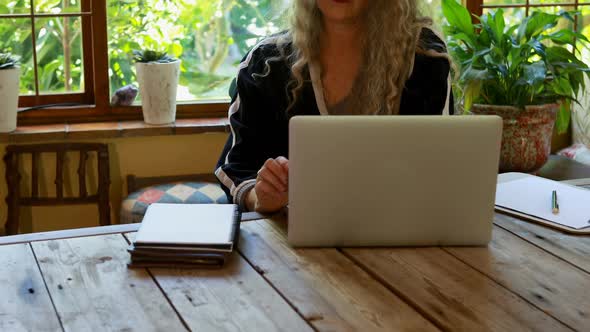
272	183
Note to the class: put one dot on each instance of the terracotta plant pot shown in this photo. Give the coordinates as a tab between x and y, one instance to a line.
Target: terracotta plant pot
526	136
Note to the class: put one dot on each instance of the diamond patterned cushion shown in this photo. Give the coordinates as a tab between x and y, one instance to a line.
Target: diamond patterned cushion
134	206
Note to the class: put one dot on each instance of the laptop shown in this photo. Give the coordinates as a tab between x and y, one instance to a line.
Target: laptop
392	180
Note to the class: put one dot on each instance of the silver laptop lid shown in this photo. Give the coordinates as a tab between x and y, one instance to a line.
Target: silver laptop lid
392	180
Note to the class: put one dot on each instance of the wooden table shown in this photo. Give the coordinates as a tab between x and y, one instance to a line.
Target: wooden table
528	278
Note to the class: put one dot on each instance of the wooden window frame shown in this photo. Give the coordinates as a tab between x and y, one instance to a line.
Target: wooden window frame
477	6
95	100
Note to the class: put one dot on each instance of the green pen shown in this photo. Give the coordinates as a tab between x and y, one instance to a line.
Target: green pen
554	205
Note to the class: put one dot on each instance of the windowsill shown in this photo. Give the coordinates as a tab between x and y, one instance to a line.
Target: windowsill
101	130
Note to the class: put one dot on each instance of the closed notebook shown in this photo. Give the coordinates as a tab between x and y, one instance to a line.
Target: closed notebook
188	225
185	235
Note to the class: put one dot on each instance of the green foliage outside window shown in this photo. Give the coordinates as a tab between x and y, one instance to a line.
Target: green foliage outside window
209	37
59	45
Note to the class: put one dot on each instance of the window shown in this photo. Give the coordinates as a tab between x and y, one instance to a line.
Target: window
518	9
78	52
53	41
210	37
432	9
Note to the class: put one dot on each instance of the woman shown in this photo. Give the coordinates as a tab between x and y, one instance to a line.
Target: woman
339	57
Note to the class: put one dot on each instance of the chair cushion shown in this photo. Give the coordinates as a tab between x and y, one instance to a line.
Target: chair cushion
134	206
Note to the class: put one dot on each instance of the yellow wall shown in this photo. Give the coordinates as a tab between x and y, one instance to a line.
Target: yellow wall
142	156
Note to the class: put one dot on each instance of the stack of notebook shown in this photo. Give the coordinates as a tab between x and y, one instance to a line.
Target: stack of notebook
185	235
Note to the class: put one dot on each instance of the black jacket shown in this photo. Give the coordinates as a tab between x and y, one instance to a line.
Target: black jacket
259	121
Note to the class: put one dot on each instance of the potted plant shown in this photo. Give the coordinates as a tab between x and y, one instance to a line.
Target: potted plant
9	89
157	75
525	73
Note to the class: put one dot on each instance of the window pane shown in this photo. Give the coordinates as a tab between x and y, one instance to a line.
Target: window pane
57	6
59	55
504	2
15	7
546	2
432	9
15	37
584	28
563	23
210	37
512	16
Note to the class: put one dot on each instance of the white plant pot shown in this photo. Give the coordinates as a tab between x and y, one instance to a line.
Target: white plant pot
158	83
9	89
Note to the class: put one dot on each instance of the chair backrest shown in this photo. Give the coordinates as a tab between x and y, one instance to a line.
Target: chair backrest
15	198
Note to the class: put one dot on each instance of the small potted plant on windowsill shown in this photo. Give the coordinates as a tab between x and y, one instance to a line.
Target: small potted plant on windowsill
157	75
525	73
9	89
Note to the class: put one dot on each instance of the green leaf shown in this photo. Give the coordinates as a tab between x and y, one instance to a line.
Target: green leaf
500	23
470	74
494	25
468	40
561	54
565	36
563	117
535	24
537	46
568	15
458	17
177	49
480	54
146	56
562	87
47	74
472	91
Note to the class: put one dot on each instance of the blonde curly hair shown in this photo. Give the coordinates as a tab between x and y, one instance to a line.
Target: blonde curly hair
392	39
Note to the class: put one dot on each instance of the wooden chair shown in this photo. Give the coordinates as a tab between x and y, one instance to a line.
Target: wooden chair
15	200
179	189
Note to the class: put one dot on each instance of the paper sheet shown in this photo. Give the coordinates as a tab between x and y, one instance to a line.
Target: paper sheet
532	196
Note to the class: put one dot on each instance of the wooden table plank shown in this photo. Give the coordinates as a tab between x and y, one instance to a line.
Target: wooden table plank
24	302
68	233
326	287
573	248
89	231
234	298
93	290
548	282
450	292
